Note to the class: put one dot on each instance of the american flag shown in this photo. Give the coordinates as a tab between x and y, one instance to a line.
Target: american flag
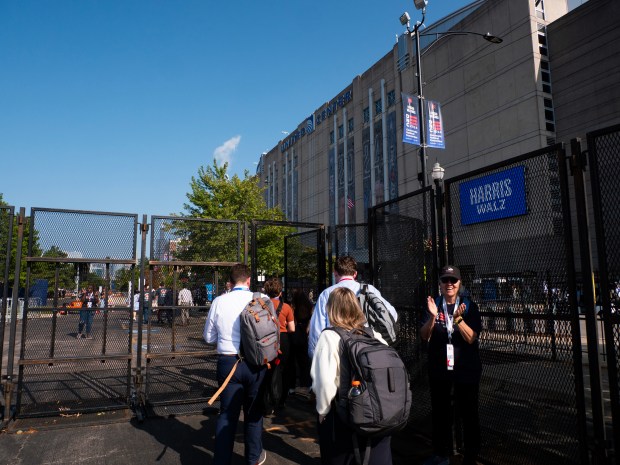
350	203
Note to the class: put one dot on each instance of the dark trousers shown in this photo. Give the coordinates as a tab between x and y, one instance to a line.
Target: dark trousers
241	392
300	354
466	410
288	365
336	444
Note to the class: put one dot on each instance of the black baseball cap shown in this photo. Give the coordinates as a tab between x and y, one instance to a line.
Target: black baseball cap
450	271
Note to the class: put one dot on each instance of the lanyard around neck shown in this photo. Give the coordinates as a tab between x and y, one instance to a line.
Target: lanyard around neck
449	318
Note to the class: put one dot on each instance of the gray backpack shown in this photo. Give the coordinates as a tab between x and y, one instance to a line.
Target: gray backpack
383	406
260	332
378	316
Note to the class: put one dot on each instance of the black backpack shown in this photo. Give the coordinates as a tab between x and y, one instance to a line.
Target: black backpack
384	404
378	316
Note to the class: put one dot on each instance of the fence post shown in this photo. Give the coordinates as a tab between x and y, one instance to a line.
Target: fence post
9	384
578	168
139	384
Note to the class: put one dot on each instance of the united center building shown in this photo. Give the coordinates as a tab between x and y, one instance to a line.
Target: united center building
496	101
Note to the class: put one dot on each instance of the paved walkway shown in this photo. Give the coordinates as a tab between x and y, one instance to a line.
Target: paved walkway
115	438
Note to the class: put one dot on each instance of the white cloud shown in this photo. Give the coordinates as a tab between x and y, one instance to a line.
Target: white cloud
223	153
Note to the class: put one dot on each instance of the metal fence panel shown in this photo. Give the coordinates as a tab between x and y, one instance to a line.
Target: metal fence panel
69	250
353	240
193	254
302	259
604	147
6	233
403	263
517	269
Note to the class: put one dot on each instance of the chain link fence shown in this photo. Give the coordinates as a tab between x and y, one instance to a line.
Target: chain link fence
513	257
403	255
6	234
353	240
70	255
189	266
604	147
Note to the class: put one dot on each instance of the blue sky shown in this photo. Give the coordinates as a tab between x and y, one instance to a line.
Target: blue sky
113	105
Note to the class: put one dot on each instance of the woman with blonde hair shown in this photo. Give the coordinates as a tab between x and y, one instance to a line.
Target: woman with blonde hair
335	436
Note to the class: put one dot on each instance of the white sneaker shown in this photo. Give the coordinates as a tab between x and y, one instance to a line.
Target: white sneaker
262	457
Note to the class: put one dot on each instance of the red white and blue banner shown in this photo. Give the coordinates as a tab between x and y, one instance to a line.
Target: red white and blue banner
411	124
434	125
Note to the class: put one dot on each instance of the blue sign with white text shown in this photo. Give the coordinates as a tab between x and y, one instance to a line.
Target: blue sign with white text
492	197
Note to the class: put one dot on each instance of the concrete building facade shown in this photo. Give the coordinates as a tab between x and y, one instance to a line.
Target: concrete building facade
497	101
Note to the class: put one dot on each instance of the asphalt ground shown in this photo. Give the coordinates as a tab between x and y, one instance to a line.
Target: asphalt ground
115	438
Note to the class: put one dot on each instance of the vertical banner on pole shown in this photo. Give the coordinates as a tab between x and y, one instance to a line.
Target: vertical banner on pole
411	123
434	126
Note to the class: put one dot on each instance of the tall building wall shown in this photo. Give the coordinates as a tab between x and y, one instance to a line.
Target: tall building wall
492	103
584	48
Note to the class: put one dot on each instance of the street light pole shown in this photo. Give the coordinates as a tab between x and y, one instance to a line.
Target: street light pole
418	65
415	33
437	174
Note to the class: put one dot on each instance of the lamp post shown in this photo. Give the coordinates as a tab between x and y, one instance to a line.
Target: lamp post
437	174
404	20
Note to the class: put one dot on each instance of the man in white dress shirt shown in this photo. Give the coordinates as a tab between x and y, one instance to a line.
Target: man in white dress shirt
345	272
223	328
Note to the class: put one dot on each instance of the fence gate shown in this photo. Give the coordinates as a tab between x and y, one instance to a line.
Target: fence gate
303	257
509	231
59	373
403	252
190	262
604	147
6	234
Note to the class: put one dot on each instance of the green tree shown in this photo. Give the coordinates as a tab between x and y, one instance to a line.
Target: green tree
47	270
4	230
215	195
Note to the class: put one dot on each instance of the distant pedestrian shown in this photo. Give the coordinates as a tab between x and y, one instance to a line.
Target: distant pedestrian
162	297
223	327
136	304
185	302
90	300
146	309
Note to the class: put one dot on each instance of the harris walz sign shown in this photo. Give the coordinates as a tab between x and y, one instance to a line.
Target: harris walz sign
492	197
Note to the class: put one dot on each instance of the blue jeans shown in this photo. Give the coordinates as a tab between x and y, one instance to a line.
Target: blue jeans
241	391
86	319
146	313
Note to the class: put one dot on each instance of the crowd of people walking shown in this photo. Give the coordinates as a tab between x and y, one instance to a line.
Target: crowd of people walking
326	365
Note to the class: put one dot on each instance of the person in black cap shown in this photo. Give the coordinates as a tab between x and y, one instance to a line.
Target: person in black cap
452	330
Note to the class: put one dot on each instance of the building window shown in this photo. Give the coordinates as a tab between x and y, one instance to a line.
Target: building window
340	131
331	137
545	76
378	107
350	125
542	40
366	115
549	115
391	98
540	9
